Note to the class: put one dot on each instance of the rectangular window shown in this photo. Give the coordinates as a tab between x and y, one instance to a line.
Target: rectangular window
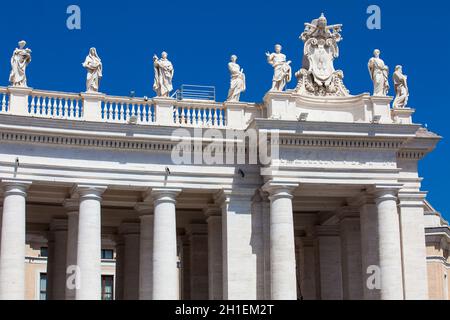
43	286
107	254
44	252
107	287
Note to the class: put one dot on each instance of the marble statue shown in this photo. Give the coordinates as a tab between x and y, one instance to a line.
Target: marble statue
282	69
163	75
379	73
237	83
19	61
94	67
401	88
317	77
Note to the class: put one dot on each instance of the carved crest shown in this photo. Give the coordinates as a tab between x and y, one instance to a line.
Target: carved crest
318	76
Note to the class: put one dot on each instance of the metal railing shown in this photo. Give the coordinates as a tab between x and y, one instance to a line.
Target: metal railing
195	92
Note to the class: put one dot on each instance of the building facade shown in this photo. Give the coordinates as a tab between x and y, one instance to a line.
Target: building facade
311	194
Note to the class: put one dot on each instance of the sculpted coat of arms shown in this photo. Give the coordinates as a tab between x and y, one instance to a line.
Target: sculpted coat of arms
317	77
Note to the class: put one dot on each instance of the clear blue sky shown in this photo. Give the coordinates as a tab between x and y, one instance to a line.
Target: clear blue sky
201	35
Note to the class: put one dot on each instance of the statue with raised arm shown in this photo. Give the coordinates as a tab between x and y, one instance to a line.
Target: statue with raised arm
163	75
93	65
318	77
401	88
237	83
282	69
19	61
379	73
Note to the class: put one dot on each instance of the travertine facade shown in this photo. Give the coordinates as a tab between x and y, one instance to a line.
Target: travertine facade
191	205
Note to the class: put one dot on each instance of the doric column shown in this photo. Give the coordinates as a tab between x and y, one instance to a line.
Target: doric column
370	253
198	239
215	282
389	244
12	265
130	233
265	211
72	207
309	262
165	271
58	228
350	232
146	249
282	244
89	243
120	263
330	262
185	268
411	209
50	264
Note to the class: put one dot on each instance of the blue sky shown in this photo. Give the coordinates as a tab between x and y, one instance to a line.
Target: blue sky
200	36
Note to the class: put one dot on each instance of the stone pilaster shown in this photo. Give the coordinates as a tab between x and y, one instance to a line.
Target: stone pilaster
411	210
370	253
198	238
215	283
120	264
72	207
58	228
330	261
130	234
350	232
239	258
146	251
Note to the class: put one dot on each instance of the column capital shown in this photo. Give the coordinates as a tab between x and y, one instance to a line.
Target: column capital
212	211
144	209
361	200
71	205
348	212
89	191
165	194
385	192
244	194
409	199
280	190
12	186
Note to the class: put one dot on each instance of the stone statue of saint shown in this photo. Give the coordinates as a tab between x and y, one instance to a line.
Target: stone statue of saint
401	88
282	69
163	75
237	83
379	73
19	62
94	67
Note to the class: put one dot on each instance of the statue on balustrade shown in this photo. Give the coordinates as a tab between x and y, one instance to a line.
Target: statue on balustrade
282	69
19	61
401	88
317	77
163	75
379	73
237	83
94	67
